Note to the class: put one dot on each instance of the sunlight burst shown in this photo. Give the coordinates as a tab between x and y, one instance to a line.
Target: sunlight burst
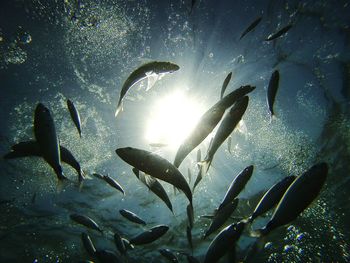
172	119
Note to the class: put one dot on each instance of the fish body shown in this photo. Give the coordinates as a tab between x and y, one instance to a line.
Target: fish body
132	217
279	33
155	187
223	242
272	197
88	245
119	243
224	85
86	221
112	182
150	235
198	179
45	135
156	166
272	90
189	237
32	148
107	256
168	254
144	71
226	127
221	217
189	175
237	185
74	114
299	195
208	122
190	215
251	27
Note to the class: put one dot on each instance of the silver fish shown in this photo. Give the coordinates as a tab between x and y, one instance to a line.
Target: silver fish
272	197
272	90
86	221
89	246
144	71
31	148
224	85
149	236
45	135
132	217
168	254
221	217
112	182
224	241
119	243
155	187
226	127
74	114
208	122
237	185
251	27
299	195
156	166
279	33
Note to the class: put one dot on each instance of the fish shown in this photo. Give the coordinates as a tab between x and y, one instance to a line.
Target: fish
251	27
229	143
193	2
74	114
208	122
236	186
271	197
149	236
154	68
132	217
88	244
46	136
190	215
198	179
156	166
226	127
127	244
221	217
299	195
189	175
189	236
223	242
112	182
86	221
279	33
224	85
119	243
107	256
168	254
31	148
271	91
155	187
199	155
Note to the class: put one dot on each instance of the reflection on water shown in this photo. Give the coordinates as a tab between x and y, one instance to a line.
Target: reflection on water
84	50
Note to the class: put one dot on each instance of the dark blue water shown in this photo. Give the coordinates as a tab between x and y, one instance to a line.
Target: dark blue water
54	50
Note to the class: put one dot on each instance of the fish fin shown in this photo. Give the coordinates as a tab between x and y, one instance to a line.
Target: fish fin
272	117
119	108
151	79
204	166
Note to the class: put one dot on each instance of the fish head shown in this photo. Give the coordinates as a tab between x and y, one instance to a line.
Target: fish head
168	68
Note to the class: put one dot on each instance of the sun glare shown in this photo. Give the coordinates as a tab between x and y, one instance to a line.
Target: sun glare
172	119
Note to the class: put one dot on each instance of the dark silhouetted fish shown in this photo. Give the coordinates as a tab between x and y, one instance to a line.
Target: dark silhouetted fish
145	71
88	245
272	197
272	90
224	241
132	217
107	256
112	182
86	221
31	148
156	166
74	115
208	122
226	127
45	135
189	237
251	27
190	215
119	243
224	85
154	186
279	33
221	216
149	236
168	254
299	195
237	185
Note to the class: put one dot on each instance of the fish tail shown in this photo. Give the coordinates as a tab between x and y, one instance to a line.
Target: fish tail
247	220
119	109
204	165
